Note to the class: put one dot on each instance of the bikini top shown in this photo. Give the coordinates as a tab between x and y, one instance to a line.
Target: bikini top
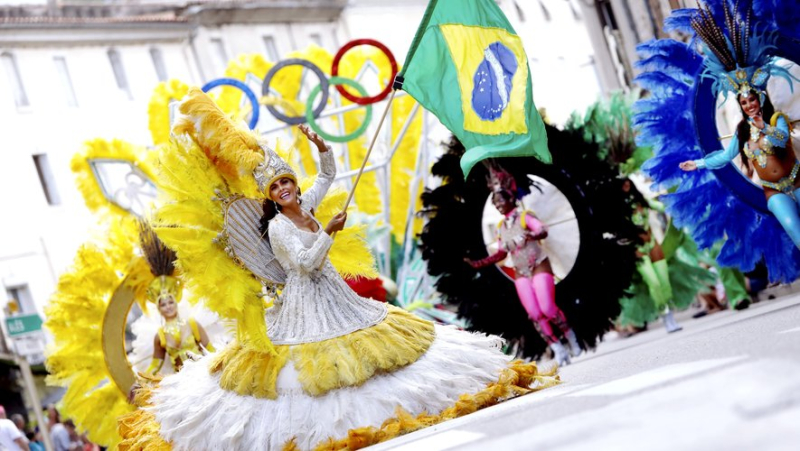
775	135
185	343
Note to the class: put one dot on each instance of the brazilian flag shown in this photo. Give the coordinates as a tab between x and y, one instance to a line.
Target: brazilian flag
467	66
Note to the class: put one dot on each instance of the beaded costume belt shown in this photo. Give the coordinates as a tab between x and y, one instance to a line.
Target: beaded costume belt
785	184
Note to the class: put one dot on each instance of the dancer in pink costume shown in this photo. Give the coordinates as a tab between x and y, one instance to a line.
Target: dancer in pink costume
519	235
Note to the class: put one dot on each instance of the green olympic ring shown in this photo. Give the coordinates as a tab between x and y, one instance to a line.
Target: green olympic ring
335	81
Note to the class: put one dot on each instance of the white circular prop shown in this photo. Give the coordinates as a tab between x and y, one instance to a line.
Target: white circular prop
552	207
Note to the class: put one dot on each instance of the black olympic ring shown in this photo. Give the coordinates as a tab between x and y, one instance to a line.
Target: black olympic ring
323	82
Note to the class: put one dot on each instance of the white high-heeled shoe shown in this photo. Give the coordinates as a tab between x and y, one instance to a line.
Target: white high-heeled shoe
669	322
574	347
561	355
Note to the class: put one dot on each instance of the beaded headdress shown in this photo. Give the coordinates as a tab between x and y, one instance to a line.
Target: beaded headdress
271	169
739	57
500	180
161	260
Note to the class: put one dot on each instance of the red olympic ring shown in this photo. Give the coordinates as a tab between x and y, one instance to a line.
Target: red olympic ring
335	71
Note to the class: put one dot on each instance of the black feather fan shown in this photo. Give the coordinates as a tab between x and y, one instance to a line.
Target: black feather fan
589	295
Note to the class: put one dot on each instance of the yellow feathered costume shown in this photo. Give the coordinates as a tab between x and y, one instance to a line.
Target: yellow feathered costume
110	261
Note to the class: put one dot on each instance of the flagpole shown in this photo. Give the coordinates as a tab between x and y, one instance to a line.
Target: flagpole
369	151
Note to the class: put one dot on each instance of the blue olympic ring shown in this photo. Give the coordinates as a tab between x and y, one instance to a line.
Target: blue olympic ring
242	87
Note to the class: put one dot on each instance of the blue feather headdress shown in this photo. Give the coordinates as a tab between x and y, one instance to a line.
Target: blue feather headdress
677	121
739	57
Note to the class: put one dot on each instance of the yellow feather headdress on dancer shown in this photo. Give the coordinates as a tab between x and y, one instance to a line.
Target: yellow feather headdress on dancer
211	161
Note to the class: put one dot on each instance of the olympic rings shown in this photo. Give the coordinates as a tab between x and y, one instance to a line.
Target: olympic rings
364	100
323	83
244	88
337	81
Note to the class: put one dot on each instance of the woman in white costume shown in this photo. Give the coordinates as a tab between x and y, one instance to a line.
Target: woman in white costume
342	365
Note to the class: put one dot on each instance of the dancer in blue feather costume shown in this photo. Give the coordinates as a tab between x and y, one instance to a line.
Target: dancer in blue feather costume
678	121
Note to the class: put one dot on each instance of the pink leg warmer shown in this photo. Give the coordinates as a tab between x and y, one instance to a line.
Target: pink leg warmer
544	287
527	295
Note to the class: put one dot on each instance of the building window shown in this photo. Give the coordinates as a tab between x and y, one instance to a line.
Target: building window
158	63
20	300
119	72
272	49
545	12
12	71
46	179
315	38
219	55
66	81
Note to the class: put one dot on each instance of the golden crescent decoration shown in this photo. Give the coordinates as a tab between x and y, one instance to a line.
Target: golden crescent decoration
114	322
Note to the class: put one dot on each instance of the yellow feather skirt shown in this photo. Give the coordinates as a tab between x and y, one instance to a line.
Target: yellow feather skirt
345	361
348	392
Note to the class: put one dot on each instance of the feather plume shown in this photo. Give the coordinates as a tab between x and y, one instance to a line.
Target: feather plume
673	57
75	358
680	21
159	257
234	150
158	109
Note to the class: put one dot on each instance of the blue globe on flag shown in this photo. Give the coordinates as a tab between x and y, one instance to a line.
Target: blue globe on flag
492	81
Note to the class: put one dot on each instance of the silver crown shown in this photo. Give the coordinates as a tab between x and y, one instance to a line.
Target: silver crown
272	168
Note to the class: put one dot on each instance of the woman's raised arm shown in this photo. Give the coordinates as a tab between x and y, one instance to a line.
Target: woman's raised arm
327	171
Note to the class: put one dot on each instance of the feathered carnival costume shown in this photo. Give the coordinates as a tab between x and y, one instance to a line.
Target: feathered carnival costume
734	49
180	339
316	363
87	314
519	237
487	297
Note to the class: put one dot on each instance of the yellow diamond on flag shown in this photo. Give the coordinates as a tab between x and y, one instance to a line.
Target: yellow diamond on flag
469	50
492	72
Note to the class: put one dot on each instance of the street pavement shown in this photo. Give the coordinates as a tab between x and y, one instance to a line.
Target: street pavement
727	381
